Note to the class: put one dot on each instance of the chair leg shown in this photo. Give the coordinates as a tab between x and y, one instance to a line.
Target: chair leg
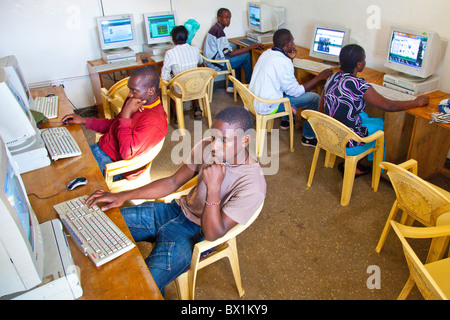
211	88
407	288
207	110
182	286
330	158
234	263
387	227
349	178
262	135
313	165
291	133
377	159
180	116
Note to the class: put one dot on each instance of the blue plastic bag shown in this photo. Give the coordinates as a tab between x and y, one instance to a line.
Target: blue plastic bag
192	27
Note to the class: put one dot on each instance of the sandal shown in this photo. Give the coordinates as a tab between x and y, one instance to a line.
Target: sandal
365	169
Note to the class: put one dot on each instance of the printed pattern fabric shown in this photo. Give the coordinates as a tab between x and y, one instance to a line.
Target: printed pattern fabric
344	101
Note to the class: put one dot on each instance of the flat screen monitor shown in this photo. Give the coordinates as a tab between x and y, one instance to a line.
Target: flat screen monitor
17	125
116	32
264	18
413	52
327	42
21	246
158	26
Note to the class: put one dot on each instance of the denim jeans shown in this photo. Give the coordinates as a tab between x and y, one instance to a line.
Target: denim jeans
243	60
174	236
309	101
101	157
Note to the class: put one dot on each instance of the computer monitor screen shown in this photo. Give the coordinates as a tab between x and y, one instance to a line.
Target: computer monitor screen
21	247
17	125
116	32
158	26
264	18
413	52
327	42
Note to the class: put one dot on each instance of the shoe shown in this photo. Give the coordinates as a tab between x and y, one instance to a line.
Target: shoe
309	142
197	113
230	89
284	125
365	169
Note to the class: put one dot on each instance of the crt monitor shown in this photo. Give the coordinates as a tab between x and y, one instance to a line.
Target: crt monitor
414	53
264	18
21	246
17	125
116	32
327	42
158	26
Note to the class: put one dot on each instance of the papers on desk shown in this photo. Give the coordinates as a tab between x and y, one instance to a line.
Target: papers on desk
310	65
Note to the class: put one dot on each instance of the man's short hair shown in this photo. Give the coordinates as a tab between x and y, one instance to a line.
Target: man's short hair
179	34
148	76
222	11
236	115
281	37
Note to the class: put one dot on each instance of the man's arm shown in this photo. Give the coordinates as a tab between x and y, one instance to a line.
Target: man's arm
324	75
154	190
245	49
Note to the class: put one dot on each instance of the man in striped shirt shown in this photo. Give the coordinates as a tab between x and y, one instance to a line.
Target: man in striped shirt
217	47
180	58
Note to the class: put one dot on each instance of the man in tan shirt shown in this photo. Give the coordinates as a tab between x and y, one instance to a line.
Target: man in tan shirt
230	187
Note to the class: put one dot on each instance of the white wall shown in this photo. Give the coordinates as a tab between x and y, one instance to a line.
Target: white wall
431	15
54	39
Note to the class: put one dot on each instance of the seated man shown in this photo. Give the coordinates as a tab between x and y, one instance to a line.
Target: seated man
230	187
274	77
181	58
140	125
217	47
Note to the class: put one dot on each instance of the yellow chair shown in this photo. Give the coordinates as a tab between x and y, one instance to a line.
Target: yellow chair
264	121
224	247
433	278
333	136
192	84
228	72
418	199
124	166
114	98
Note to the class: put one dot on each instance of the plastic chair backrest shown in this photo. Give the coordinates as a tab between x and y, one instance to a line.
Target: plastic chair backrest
415	196
193	82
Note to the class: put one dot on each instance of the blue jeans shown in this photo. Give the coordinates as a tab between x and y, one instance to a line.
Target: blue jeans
309	101
174	236
243	60
101	157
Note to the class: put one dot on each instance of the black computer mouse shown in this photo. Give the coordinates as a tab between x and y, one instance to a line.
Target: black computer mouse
77	182
144	60
50	95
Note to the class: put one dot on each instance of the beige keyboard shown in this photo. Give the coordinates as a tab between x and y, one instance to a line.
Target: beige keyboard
310	65
392	94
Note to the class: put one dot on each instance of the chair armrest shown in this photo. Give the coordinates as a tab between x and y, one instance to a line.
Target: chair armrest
183	190
370	138
226	61
421	232
410	165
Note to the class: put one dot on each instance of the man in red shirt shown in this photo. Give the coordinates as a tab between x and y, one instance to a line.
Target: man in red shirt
140	125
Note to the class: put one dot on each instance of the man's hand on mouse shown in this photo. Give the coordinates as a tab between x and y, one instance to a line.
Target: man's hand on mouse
73	118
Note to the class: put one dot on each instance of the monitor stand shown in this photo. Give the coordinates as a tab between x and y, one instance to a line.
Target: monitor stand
119	54
410	84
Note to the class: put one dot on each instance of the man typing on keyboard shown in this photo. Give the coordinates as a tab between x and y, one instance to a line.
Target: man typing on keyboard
141	124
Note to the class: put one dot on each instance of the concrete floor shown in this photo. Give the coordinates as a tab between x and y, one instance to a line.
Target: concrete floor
304	245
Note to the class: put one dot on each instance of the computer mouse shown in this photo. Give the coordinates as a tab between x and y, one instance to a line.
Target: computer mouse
50	95
444	106
66	121
77	182
144	60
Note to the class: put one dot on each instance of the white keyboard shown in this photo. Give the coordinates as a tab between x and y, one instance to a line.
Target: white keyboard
92	231
157	58
48	106
247	42
310	65
392	94
114	65
60	143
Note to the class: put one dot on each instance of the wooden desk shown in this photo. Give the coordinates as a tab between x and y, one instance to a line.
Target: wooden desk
97	80
126	277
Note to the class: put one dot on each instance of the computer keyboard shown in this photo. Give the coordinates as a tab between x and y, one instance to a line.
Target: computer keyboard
60	143
93	231
392	94
247	42
114	65
310	65
48	106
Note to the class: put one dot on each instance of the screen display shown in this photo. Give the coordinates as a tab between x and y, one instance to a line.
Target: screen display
161	26
115	31
328	41
17	199
407	49
254	15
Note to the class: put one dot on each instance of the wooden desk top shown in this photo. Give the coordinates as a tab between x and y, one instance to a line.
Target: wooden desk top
126	277
139	57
